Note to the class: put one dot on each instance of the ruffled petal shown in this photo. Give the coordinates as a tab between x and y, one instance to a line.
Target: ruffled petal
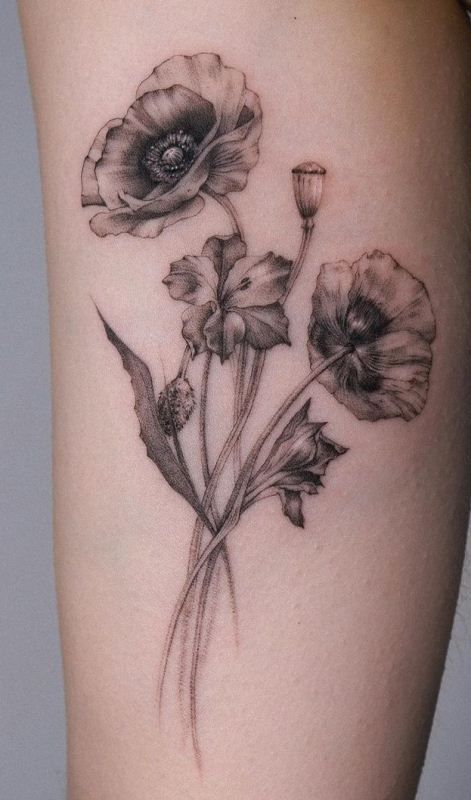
223	332
153	115
256	281
236	153
400	299
192	279
90	191
265	326
205	74
144	222
330	303
224	251
194	320
387	378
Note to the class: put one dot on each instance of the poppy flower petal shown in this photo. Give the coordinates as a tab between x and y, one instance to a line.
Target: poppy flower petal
292	505
298	459
192	279
149	118
224	251
401	299
142	223
256	281
194	320
330	303
207	76
223	332
90	191
236	153
265	326
393	381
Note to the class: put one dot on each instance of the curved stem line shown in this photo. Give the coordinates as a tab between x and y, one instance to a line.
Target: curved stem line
241	367
202	417
231	441
186	358
229	208
232	511
196	651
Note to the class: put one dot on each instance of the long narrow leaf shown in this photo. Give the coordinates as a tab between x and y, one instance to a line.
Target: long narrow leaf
151	431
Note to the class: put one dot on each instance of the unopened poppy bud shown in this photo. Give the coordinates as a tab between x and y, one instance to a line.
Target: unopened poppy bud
175	405
308	179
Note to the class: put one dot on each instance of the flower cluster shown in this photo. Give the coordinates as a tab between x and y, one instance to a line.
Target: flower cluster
193	131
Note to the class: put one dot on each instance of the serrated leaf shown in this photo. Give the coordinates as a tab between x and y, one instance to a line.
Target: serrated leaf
151	431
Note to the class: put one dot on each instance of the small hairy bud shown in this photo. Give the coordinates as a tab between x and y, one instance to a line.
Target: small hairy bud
175	405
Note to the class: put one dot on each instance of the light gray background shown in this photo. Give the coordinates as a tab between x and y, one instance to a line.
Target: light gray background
32	731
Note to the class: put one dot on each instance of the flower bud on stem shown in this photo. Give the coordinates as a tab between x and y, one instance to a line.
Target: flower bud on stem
308	180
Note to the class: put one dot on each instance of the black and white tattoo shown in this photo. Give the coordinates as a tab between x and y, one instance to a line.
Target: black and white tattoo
192	135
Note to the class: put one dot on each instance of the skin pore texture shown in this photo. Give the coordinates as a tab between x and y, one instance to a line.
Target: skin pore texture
259	604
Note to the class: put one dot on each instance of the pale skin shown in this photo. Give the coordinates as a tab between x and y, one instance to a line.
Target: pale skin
343	626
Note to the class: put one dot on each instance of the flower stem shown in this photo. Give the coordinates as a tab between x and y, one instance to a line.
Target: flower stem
306	237
239	390
229	208
253	383
186	358
202	417
234	505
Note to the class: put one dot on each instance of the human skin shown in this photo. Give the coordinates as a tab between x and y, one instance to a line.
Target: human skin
344	625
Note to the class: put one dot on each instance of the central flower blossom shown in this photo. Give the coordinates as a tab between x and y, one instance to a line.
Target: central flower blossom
232	297
193	126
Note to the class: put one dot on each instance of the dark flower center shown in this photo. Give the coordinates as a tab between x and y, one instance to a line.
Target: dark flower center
170	157
365	322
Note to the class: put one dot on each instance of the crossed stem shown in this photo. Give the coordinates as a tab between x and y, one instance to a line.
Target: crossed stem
243	405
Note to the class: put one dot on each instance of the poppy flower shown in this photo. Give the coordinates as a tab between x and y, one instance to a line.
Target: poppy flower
194	126
232	297
297	462
380	311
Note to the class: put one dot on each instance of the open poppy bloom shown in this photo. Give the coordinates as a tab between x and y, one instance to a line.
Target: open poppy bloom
194	125
380	311
298	460
232	297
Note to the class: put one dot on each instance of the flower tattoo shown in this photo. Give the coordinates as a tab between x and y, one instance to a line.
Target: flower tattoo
193	129
192	134
234	297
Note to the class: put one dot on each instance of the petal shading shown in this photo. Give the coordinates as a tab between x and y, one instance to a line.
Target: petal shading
296	463
265	326
149	118
90	191
223	332
206	75
142	223
192	279
224	251
194	320
292	505
383	313
255	281
236	153
399	295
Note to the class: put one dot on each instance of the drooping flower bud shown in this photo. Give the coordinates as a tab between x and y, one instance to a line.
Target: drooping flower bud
308	179
175	405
